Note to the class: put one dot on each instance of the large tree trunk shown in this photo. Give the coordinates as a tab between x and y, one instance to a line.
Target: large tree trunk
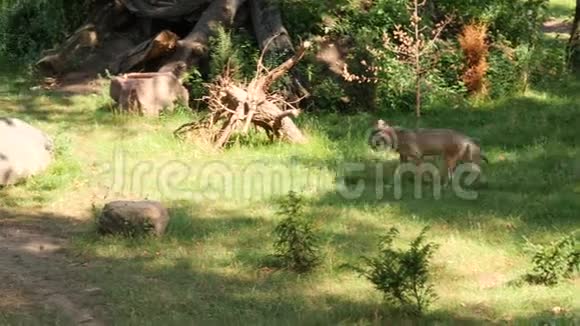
102	19
275	42
150	93
574	43
161	45
194	46
147	93
169	9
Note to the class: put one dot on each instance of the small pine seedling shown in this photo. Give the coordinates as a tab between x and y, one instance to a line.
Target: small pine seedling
402	275
296	243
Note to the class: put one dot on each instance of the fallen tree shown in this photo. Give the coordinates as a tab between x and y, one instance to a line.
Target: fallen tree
169	36
235	106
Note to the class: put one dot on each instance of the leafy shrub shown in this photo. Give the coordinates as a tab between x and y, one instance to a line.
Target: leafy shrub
403	275
514	25
554	262
195	84
396	86
232	51
547	62
328	94
505	73
518	21
304	17
27	27
441	85
512	70
296	244
366	21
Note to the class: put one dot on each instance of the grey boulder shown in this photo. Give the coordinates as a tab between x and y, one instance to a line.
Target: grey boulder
24	151
131	218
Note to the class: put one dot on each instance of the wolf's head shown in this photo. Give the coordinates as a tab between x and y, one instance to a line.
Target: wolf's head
382	137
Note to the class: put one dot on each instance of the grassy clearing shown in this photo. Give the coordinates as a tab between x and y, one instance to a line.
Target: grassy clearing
211	265
562	8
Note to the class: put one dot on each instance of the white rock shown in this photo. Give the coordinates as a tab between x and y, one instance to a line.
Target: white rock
24	151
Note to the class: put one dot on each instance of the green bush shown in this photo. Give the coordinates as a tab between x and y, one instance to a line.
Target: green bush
366	22
403	275
328	94
27	27
504	73
512	24
442	85
396	86
548	62
518	21
296	242
554	262
233	50
196	86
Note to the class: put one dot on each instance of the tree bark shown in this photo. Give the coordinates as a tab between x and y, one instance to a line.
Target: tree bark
194	45
574	43
161	45
150	93
90	35
168	9
274	40
147	93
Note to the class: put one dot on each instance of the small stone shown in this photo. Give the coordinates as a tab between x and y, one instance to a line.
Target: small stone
133	218
93	290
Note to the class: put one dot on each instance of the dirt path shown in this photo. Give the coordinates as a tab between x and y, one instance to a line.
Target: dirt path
557	25
36	272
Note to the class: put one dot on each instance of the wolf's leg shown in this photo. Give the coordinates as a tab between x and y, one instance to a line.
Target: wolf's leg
450	163
418	160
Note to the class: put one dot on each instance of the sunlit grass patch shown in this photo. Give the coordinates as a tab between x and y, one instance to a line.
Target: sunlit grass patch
211	263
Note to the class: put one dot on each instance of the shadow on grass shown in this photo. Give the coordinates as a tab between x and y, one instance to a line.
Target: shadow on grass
163	281
523	196
533	179
64	109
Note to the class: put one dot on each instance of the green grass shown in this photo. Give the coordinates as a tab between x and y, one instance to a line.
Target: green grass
39	318
211	265
562	8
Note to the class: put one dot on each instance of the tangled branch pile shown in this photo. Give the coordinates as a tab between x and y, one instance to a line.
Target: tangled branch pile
235	106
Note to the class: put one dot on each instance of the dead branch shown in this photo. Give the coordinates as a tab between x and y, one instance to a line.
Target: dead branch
281	70
237	106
